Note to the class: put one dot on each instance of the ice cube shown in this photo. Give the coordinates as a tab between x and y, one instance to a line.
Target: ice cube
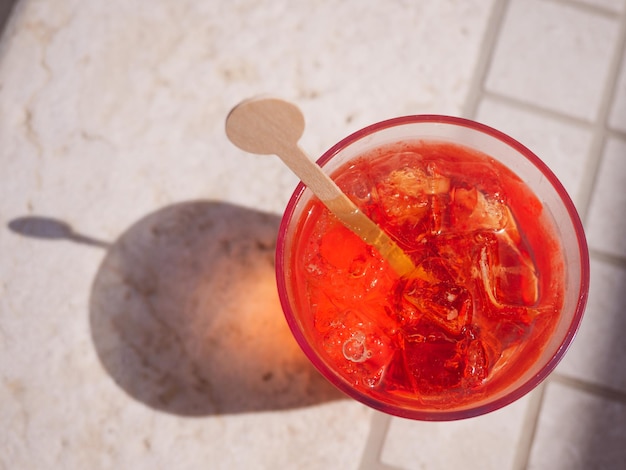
356	182
459	253
472	210
400	207
509	331
397	380
359	347
414	196
417	182
508	273
517	279
445	304
433	363
476	364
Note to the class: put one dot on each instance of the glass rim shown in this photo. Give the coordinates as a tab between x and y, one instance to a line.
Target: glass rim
469	410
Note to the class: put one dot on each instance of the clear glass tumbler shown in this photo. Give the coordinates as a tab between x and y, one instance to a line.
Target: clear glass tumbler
557	206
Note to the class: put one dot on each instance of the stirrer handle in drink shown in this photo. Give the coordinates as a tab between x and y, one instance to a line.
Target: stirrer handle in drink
271	126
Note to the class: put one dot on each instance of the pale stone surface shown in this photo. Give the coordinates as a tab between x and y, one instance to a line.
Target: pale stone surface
606	224
579	431
486	442
139	323
553	56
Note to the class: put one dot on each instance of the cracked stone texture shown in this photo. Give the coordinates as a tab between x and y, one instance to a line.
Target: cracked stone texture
139	322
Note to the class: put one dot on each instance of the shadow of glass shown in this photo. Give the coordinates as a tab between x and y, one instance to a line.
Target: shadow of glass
185	315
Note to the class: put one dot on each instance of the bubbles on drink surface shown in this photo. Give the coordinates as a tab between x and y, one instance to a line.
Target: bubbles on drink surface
471	306
354	348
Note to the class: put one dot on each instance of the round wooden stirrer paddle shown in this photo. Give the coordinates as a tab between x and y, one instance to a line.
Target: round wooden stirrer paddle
270	126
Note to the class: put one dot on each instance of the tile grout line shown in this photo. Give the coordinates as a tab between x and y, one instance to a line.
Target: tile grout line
616	133
529	428
609	258
537	109
487	48
592	388
601	128
550	113
371	458
592	169
587	8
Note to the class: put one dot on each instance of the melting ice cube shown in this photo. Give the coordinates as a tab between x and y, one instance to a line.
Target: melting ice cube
508	272
476	364
445	304
472	210
412	196
359	347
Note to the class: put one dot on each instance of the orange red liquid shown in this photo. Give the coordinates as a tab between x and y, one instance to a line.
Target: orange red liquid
485	296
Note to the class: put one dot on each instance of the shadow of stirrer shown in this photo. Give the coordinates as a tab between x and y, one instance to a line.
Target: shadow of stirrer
52	229
185	315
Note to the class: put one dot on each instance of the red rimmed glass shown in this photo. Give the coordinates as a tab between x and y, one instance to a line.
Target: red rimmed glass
379	392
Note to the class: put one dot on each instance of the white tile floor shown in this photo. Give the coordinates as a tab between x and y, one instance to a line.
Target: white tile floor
111	120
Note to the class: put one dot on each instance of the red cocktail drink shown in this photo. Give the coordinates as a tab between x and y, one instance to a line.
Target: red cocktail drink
500	281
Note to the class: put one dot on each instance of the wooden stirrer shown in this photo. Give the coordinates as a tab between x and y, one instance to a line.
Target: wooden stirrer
270	126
